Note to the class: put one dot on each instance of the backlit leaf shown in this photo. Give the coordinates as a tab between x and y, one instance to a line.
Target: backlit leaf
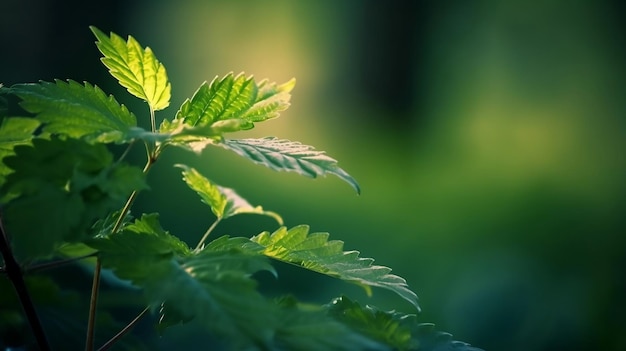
224	202
315	252
136	68
285	155
76	110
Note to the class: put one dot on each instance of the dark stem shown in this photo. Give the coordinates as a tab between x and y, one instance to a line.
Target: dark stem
93	303
123	332
14	272
59	263
91	325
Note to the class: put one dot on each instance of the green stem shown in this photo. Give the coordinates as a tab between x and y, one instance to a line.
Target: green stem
206	235
15	275
123	332
152	120
89	344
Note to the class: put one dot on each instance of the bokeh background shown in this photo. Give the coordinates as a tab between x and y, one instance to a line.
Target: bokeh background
488	138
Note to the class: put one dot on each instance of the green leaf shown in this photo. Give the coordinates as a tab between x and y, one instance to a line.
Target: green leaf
226	105
222	99
224	202
400	331
69	108
58	189
271	99
41	221
316	253
285	155
213	287
14	131
135	68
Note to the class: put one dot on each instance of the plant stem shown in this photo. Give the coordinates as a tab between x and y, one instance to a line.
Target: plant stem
89	343
14	273
93	303
152	120
206	235
123	332
58	263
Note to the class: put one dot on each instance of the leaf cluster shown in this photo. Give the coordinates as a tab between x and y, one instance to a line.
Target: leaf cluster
64	194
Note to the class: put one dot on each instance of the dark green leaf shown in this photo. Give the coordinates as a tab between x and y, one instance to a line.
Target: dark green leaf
58	189
135	68
285	155
77	110
401	331
316	253
14	131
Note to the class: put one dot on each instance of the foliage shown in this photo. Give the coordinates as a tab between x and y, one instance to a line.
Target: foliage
66	196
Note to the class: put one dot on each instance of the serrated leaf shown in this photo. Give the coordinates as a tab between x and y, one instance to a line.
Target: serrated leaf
401	331
291	156
136	68
224	202
271	100
58	189
225	98
76	110
315	252
226	105
144	236
212	287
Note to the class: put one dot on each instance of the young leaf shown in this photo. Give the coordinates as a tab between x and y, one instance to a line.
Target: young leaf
135	68
271	99
226	105
401	331
285	155
222	99
316	253
69	108
224	202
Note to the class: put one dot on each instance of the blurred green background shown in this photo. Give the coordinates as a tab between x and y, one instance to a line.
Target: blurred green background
487	136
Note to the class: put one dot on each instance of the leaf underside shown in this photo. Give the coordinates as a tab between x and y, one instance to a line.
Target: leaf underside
291	156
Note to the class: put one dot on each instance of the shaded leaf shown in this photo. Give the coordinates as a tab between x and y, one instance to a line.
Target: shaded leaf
135	68
285	155
224	202
14	131
401	331
315	252
58	189
76	110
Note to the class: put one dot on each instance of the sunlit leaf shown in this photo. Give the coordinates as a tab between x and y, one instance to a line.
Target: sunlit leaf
225	98
271	100
224	202
285	155
400	331
315	252
136	68
76	110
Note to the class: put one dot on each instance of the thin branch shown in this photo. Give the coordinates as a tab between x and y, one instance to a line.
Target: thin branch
123	332
206	235
93	303
14	273
57	263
